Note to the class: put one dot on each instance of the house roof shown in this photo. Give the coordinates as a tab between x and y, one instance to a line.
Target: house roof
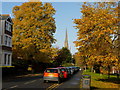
4	16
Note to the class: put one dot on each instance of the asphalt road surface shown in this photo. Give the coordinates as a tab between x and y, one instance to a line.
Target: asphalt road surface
36	82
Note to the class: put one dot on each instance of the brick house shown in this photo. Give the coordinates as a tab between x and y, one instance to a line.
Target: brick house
5	40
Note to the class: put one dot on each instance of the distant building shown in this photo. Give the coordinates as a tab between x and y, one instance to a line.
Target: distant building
5	40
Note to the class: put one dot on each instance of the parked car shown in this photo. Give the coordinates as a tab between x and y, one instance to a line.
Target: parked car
53	74
78	68
69	71
64	71
72	70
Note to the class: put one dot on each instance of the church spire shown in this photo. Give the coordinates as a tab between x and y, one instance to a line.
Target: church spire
66	40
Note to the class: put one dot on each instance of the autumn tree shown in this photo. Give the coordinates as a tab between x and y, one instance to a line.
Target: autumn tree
53	53
34	27
63	56
96	31
79	61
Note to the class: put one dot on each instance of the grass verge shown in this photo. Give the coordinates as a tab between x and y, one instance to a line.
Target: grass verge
102	81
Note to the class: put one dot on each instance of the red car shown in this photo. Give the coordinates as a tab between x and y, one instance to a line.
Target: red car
64	71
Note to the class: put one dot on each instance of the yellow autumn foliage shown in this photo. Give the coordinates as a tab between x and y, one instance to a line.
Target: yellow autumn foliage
34	27
96	30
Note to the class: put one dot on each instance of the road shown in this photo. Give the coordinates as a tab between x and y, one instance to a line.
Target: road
36	82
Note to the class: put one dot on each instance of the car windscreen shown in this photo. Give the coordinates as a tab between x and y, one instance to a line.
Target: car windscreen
51	71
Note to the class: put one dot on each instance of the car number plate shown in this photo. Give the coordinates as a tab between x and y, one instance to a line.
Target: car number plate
50	75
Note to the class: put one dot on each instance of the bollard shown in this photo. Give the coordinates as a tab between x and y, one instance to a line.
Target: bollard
86	81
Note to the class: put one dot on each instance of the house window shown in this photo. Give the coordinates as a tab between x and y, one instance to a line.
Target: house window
5	59
9	27
6	38
9	42
0	40
6	26
8	59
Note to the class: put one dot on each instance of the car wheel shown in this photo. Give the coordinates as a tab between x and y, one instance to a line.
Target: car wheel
59	81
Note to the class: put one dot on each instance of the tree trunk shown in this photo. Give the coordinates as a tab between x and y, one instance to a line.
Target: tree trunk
118	72
108	72
97	68
92	69
85	67
118	48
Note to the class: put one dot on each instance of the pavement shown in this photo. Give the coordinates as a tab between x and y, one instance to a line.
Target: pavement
72	83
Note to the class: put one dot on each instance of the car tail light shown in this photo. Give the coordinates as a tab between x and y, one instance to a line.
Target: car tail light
56	74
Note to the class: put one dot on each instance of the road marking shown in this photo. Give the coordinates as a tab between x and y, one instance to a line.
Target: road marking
14	86
50	87
53	86
33	81
30	75
27	83
30	82
58	85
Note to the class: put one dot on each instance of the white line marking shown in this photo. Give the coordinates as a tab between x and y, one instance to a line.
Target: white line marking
33	81
27	83
30	82
14	86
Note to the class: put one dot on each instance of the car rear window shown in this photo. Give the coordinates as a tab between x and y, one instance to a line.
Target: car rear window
52	71
62	69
